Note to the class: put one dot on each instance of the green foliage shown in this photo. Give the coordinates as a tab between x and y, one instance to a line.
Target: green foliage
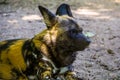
117	78
3	2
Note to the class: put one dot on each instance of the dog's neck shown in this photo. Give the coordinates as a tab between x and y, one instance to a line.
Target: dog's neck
47	43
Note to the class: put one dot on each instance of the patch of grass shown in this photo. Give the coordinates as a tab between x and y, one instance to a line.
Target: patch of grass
117	78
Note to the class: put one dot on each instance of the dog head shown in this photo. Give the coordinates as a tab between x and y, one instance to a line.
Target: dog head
64	34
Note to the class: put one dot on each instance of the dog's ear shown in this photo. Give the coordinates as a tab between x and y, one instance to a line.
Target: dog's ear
64	9
49	17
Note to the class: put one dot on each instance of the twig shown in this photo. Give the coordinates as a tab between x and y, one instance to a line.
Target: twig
7	12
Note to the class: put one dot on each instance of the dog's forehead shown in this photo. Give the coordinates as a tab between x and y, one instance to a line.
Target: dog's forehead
67	22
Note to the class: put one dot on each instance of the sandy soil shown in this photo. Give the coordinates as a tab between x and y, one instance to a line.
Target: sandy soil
101	61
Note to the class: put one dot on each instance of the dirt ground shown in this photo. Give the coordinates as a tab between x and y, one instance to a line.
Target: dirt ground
101	61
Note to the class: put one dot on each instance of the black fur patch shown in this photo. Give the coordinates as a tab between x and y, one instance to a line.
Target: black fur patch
7	44
31	55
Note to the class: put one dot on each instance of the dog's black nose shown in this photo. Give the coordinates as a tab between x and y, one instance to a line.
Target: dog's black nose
88	41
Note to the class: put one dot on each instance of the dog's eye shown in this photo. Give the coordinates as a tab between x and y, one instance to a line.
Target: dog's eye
74	31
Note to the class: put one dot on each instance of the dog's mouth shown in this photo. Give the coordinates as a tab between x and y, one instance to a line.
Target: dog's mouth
80	47
83	48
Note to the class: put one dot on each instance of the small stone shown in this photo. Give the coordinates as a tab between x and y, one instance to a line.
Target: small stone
29	21
110	51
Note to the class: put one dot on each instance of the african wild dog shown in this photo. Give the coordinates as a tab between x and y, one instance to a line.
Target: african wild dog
37	58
